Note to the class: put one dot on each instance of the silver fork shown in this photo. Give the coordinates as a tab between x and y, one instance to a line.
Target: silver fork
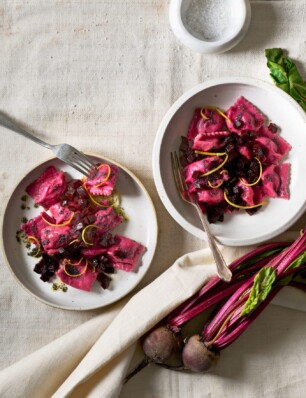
223	271
64	152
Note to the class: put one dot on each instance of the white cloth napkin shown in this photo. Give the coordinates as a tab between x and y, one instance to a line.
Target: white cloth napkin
92	360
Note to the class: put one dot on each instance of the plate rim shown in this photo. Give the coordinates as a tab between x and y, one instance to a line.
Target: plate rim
186	225
154	240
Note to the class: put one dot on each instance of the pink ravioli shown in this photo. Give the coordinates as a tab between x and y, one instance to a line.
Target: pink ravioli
126	253
55	237
214	123
93	251
211	196
244	115
207	143
83	281
48	188
200	167
280	146
107	219
193	127
34	226
275	181
252	195
60	213
103	184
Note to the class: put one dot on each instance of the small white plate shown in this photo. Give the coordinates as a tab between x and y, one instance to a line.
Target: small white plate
238	229
142	227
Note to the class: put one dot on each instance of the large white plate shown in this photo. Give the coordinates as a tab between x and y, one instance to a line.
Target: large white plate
142	227
280	108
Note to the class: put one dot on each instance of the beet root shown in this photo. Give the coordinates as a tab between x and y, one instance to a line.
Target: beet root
162	346
197	357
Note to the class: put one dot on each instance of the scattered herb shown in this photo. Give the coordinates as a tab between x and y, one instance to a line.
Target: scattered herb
35	252
21	236
54	286
24	219
18	236
28	241
121	212
59	286
24	198
286	75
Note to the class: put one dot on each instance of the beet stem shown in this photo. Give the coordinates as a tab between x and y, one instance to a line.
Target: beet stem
209	301
195	305
229	317
223	326
280	263
224	341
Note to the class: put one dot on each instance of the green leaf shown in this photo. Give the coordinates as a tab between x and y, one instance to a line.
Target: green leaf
301	89
286	75
261	288
298	262
274	54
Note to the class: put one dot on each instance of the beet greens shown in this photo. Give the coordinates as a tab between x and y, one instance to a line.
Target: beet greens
257	277
251	298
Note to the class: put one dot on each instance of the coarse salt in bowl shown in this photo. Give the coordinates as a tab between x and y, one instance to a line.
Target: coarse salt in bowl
210	26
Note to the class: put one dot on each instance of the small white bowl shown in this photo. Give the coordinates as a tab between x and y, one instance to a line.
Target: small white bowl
235	22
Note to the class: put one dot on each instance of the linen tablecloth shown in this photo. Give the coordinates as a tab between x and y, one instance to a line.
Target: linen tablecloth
100	75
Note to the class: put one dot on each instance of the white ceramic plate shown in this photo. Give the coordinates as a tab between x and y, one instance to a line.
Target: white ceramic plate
142	227
238	228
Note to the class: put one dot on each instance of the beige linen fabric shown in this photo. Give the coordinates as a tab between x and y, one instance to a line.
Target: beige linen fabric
100	75
175	285
100	372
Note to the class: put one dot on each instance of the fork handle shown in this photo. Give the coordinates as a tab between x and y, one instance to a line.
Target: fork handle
7	122
223	271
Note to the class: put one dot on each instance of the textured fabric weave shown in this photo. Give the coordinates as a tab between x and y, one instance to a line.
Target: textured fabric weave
100	75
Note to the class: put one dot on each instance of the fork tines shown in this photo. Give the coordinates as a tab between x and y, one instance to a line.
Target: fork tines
178	175
83	163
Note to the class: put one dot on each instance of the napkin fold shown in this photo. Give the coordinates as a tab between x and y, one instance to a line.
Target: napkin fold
91	360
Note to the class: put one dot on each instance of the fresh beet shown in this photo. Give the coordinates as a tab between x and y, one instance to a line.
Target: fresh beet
259	275
163	347
197	357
